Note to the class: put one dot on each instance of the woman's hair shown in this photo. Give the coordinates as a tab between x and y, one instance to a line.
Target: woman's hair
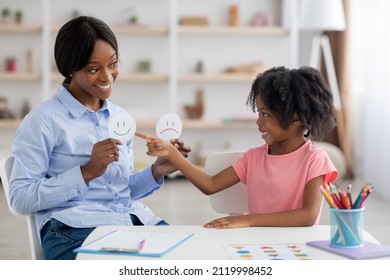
76	41
302	91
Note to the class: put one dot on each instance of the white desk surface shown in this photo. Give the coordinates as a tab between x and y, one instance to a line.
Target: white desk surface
207	243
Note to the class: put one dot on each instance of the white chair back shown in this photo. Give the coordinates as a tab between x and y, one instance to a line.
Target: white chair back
233	200
35	246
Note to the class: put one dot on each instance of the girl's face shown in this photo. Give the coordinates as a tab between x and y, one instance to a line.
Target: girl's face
94	82
272	132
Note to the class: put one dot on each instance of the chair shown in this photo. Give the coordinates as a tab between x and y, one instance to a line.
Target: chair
35	246
233	200
336	156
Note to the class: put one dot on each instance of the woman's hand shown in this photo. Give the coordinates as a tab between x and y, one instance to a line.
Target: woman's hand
103	153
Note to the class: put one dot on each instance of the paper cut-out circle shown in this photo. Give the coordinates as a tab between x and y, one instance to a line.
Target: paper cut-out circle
169	126
122	127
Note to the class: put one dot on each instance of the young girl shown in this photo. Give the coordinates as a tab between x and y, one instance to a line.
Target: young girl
283	175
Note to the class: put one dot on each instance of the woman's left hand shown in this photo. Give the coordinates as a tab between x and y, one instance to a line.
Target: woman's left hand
163	166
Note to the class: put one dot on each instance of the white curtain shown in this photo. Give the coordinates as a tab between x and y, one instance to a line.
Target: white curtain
369	48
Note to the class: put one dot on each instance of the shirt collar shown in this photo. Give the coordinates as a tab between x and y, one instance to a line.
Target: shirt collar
75	108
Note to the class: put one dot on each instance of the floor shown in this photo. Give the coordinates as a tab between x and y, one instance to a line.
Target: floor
180	203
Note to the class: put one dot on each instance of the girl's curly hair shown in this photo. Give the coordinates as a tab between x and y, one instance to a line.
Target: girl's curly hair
302	91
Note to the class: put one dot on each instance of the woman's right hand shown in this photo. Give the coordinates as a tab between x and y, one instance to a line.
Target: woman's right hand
103	153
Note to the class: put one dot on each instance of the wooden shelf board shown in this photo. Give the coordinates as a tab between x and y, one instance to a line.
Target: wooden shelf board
131	77
151	124
20	28
203	124
143	77
130	29
9	123
230	30
20	76
219	77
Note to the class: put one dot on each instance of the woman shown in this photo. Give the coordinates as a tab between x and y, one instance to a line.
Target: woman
67	171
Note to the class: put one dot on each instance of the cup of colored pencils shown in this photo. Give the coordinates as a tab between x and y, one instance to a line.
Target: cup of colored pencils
346	215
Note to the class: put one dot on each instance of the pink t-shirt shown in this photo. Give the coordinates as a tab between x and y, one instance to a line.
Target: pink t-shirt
277	182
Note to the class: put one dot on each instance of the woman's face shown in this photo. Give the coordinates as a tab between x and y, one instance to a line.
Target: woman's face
94	82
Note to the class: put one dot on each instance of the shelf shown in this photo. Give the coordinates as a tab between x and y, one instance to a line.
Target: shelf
143	77
9	123
129	29
131	77
203	124
220	77
20	28
187	124
229	30
140	29
20	76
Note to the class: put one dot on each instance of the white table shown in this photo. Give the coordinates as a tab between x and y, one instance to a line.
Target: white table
207	244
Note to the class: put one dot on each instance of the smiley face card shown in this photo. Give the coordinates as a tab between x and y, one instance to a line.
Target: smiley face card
122	127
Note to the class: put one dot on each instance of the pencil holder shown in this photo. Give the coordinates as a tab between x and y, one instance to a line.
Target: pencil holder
346	230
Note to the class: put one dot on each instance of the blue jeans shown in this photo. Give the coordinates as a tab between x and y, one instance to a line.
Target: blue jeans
59	240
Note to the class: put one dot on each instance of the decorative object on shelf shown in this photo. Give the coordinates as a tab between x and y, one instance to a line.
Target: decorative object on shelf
131	15
194	21
199	67
320	16
26	108
5	15
260	19
144	66
133	20
76	13
5	113
234	15
10	64
253	68
18	16
195	111
29	62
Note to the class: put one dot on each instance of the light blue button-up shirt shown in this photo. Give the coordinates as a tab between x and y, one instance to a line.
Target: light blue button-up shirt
51	144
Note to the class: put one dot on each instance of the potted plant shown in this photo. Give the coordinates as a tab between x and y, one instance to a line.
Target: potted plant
5	15
18	16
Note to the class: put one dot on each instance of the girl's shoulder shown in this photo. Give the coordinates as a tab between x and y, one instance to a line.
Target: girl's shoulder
256	151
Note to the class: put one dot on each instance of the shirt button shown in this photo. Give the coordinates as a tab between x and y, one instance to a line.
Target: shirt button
116	195
116	202
109	182
78	192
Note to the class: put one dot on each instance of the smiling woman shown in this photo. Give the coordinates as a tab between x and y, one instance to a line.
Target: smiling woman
73	154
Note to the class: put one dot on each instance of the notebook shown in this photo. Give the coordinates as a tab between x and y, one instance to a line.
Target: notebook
127	242
367	251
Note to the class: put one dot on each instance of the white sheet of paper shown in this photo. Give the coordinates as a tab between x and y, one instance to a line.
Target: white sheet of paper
169	126
122	127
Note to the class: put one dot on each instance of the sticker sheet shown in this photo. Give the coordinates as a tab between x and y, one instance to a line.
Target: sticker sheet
269	252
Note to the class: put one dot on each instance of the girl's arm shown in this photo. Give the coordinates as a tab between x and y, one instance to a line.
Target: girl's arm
204	182
304	216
